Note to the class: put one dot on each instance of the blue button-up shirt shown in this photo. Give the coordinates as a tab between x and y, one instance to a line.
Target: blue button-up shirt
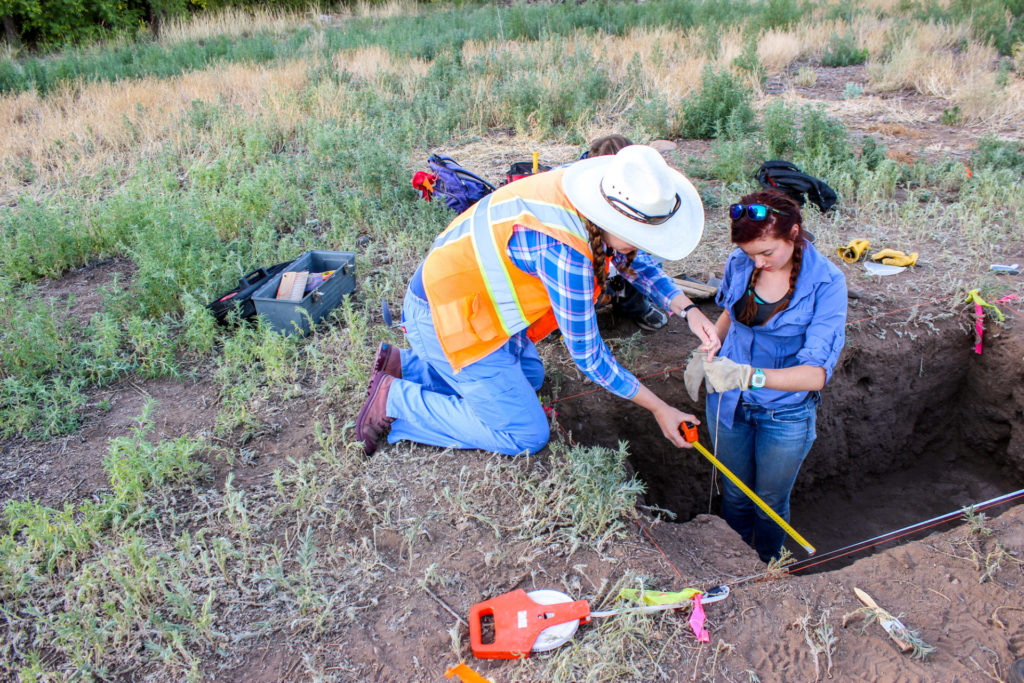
810	331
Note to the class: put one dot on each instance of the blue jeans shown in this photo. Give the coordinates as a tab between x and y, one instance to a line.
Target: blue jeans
764	449
491	404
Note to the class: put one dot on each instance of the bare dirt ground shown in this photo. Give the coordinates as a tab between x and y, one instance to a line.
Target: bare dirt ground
909	400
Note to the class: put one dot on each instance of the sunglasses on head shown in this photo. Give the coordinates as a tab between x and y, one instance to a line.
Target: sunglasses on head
755	212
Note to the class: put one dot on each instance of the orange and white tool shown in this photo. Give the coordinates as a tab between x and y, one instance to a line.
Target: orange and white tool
544	619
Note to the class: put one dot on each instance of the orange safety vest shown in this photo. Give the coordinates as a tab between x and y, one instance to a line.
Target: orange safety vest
478	297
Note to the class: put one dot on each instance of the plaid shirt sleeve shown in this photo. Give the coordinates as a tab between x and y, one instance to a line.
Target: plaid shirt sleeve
569	278
650	278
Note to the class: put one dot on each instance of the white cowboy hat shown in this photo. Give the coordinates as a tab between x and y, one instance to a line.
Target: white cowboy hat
635	196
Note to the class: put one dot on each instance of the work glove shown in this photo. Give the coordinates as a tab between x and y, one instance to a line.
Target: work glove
694	374
852	252
723	375
892	257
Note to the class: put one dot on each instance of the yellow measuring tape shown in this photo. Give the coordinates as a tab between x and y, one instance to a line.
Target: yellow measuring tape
690	433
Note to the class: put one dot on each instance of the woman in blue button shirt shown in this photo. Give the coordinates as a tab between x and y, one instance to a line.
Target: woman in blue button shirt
783	329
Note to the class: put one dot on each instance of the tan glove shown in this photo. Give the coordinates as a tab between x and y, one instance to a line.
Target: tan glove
694	374
724	374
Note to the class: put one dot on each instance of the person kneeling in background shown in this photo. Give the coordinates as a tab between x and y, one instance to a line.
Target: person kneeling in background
782	330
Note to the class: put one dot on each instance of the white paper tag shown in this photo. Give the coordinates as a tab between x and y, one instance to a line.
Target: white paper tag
521	619
883	269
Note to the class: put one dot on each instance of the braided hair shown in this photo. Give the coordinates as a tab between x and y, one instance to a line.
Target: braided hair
745	230
602	252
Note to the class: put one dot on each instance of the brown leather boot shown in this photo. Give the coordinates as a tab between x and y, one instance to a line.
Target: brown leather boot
373	422
388	360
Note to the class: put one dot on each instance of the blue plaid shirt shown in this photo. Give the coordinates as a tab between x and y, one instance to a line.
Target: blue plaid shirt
569	278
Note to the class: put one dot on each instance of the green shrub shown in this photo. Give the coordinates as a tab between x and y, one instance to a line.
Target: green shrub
872	153
735	156
995	153
999	22
780	130
710	108
823	140
781	13
842	50
749	63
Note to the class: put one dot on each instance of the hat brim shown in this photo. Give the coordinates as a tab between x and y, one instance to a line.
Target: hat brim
672	240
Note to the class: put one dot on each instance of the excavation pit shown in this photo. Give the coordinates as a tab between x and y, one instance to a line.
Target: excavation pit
910	428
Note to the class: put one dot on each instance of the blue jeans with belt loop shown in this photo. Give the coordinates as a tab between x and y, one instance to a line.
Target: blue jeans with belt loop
764	449
491	404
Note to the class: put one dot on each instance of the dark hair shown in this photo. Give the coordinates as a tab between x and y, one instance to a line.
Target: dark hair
609	144
745	230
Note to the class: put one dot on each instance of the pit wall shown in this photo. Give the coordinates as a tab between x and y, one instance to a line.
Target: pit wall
890	401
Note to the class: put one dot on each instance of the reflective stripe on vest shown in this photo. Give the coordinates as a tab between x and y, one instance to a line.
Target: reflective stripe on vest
479	280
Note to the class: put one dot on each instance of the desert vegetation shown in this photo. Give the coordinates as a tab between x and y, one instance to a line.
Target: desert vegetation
229	141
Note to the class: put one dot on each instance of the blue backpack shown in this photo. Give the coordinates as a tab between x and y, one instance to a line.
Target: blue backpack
459	188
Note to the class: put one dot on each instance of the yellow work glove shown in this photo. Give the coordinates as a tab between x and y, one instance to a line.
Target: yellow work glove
893	257
852	252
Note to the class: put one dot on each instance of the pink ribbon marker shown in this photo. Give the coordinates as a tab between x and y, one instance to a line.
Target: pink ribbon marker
979	316
697	621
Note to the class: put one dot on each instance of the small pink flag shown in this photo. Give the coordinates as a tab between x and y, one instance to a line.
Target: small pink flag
697	621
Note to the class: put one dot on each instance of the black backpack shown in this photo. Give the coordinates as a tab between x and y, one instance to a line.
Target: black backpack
240	298
787	178
522	169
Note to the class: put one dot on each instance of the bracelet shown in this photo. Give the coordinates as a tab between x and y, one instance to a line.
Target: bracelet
682	313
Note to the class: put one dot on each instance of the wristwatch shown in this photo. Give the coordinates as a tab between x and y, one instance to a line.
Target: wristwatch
757	379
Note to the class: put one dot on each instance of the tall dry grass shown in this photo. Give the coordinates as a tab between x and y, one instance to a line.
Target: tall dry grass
392	8
778	48
77	132
230	22
372	63
931	61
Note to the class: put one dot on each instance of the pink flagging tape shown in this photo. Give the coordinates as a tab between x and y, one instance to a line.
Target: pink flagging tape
697	621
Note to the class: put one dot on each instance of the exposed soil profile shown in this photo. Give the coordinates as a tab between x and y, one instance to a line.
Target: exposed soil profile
907	431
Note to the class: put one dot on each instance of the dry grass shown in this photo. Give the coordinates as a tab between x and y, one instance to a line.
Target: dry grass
936	71
492	156
392	8
372	63
927	63
229	22
89	128
778	49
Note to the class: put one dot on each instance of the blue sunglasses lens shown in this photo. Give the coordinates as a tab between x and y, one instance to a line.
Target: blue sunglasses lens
755	212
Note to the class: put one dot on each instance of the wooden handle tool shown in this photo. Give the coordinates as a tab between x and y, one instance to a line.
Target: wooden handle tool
893	626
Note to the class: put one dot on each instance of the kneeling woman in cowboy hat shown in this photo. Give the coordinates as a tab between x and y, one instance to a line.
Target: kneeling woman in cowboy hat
783	328
524	260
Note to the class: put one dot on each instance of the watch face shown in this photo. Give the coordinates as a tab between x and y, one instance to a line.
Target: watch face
757	381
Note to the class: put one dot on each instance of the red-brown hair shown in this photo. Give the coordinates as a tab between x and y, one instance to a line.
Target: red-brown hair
775	225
